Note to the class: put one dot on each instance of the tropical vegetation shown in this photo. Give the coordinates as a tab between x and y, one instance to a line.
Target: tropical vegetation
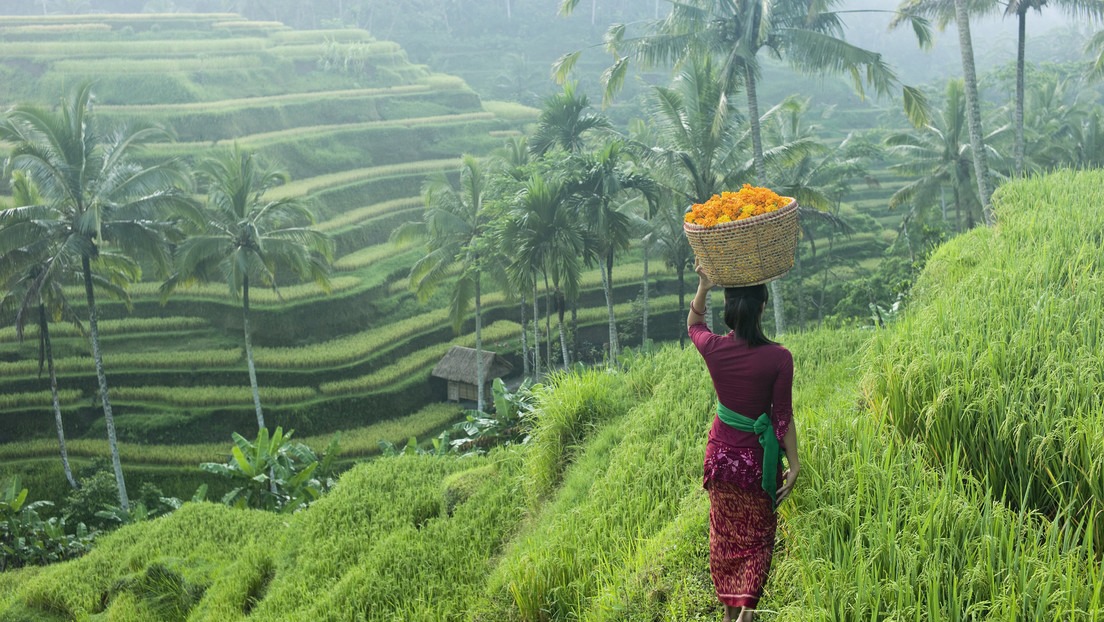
960	430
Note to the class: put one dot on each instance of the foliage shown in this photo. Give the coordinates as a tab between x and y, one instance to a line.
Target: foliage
509	423
439	446
274	473
26	539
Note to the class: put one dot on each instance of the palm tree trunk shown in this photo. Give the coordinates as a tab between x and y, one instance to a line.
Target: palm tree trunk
561	307
709	310
1018	121
575	329
756	127
547	322
824	279
798	280
607	287
761	178
981	164
524	341
101	377
479	371
644	328
536	333
776	302
958	209
48	352
680	270
249	355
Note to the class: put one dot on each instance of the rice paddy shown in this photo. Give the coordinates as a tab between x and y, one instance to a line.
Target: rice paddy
960	479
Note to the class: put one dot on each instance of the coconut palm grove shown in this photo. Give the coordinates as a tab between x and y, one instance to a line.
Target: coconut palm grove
376	309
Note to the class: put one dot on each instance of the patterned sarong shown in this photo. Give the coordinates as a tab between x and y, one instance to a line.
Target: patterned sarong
742	524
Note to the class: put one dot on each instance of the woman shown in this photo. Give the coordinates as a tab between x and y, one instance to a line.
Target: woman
753	378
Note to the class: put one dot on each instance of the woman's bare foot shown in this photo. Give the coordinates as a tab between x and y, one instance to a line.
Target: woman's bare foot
746	615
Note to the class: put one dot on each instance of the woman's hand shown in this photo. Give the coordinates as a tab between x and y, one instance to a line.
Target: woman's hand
789	478
704	283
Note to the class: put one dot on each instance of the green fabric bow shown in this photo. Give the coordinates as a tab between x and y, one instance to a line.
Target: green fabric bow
764	429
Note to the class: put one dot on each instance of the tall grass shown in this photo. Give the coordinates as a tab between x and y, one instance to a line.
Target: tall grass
43	399
113	327
135	49
313	184
999	363
419	362
117	361
267	139
355	216
158	65
245	103
350	348
355	442
872	532
184	397
53	29
290	293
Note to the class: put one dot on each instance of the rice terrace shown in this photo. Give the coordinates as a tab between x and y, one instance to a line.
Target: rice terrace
378	309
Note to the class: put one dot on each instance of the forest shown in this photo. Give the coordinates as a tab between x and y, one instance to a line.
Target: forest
241	242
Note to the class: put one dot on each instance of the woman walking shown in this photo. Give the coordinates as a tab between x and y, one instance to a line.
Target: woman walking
753	378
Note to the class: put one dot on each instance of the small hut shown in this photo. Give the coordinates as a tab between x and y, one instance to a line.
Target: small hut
458	368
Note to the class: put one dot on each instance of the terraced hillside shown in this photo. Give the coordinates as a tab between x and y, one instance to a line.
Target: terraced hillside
359	129
601	516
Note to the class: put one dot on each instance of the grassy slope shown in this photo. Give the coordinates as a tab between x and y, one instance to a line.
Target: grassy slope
615	530
1004	348
601	515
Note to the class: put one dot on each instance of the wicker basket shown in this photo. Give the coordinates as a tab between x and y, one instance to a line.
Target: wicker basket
747	252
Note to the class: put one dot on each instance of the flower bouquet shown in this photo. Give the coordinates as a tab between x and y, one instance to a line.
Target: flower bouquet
745	237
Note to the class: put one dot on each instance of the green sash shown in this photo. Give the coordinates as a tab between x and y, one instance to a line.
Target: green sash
762	428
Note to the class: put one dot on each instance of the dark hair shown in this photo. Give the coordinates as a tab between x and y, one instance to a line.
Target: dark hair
743	313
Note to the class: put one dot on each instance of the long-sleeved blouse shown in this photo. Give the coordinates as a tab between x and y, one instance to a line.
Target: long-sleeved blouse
750	381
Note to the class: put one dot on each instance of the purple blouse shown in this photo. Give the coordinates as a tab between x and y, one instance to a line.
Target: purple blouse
750	381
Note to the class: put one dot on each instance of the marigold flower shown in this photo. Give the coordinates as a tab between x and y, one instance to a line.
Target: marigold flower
729	206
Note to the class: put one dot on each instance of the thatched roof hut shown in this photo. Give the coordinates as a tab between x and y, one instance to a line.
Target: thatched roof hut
458	367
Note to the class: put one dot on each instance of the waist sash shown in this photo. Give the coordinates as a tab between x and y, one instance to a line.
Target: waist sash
764	429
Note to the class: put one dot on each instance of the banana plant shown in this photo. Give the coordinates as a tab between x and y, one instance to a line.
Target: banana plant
272	473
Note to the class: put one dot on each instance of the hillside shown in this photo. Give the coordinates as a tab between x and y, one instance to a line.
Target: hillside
359	129
601	515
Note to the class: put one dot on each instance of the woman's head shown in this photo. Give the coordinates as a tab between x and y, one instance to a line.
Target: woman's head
743	312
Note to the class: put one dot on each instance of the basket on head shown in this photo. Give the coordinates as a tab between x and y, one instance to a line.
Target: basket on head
747	252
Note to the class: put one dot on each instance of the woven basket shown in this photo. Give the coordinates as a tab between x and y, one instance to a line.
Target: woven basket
747	252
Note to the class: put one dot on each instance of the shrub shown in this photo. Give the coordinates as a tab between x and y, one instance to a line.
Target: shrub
274	473
26	539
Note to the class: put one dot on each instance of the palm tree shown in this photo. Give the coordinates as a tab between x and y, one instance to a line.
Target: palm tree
545	241
246	239
29	279
102	199
696	150
599	179
665	234
511	167
1054	123
454	226
806	33
1089	9
959	11
936	157
563	122
819	176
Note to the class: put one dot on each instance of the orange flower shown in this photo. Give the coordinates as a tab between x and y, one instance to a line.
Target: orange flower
728	206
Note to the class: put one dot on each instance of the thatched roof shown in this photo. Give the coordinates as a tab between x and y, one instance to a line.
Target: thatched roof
459	365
